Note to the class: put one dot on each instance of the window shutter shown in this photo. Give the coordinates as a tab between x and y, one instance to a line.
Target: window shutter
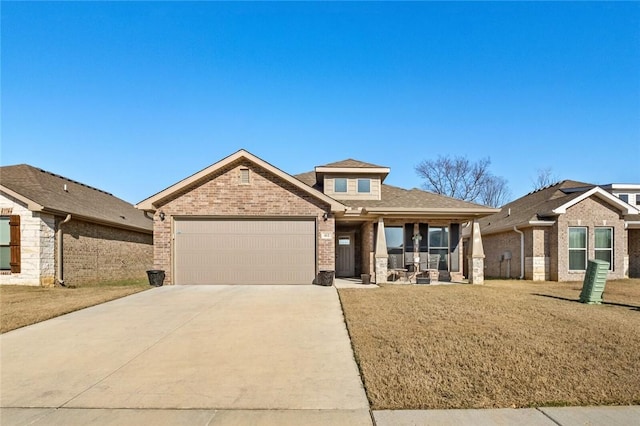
14	230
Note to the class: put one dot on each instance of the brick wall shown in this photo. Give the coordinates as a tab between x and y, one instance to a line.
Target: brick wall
634	253
222	194
590	213
494	247
94	253
368	249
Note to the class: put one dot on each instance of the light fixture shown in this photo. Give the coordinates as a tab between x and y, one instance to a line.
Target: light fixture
325	216
162	216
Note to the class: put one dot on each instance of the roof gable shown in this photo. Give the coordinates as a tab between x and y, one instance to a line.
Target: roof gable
151	202
41	190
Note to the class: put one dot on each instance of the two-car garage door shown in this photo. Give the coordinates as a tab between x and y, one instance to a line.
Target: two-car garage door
244	251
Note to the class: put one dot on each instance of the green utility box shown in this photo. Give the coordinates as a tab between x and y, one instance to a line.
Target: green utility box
594	281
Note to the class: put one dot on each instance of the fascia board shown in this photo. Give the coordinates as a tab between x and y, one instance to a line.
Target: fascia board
602	194
355	170
31	205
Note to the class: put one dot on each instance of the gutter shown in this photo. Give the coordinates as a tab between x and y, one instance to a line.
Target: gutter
515	228
60	275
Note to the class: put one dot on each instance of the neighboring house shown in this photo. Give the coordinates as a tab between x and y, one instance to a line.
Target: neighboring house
103	237
550	234
244	221
630	193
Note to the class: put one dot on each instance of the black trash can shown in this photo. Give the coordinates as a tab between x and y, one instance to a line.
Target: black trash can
325	278
156	277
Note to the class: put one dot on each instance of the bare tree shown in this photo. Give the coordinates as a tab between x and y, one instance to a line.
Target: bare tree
495	192
544	178
460	178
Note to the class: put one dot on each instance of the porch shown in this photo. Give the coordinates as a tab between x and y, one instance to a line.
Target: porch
405	250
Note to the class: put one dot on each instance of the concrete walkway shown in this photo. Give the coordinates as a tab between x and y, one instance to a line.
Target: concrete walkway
217	355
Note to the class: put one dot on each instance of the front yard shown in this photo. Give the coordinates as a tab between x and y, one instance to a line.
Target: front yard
502	344
25	305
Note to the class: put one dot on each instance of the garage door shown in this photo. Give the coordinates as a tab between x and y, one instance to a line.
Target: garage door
244	251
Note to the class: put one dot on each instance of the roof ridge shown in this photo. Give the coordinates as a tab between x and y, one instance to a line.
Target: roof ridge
71	180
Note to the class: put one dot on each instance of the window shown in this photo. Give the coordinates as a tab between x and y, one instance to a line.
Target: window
340	185
604	245
244	176
5	244
577	249
364	185
624	197
395	239
637	199
10	243
344	241
439	245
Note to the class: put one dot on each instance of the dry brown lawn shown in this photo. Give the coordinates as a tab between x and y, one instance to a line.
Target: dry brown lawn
25	305
502	344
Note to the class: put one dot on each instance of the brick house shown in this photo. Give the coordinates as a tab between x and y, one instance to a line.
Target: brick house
549	234
244	221
56	230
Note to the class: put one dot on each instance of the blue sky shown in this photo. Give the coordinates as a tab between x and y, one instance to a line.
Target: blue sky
132	97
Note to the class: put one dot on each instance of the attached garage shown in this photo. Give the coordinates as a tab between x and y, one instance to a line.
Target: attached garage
244	251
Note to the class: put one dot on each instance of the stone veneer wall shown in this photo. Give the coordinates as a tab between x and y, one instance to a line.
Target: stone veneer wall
222	194
95	253
590	213
36	245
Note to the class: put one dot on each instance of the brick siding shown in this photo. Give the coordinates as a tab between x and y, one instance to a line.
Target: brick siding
96	253
222	194
634	253
591	213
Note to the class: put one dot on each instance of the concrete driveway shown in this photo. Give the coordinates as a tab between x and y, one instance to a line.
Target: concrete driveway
188	355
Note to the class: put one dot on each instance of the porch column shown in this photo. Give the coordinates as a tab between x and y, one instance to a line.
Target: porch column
382	257
476	255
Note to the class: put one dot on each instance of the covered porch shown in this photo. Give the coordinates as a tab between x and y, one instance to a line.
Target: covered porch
388	248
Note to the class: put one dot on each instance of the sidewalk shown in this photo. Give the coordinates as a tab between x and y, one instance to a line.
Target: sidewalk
545	416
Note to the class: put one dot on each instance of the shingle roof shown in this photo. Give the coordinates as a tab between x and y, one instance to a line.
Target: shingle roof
533	206
393	196
47	189
350	162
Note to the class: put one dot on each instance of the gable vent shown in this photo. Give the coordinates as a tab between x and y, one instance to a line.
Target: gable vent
244	176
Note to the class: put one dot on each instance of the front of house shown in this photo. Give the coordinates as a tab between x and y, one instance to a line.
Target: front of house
244	221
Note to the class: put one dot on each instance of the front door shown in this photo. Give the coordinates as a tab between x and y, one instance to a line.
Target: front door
345	264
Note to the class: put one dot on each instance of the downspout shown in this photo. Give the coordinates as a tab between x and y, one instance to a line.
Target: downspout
521	252
60	277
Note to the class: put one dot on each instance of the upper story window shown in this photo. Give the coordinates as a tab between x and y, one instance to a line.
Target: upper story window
624	197
340	185
364	186
637	199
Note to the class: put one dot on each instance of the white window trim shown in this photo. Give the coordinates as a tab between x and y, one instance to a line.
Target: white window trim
585	249
613	243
